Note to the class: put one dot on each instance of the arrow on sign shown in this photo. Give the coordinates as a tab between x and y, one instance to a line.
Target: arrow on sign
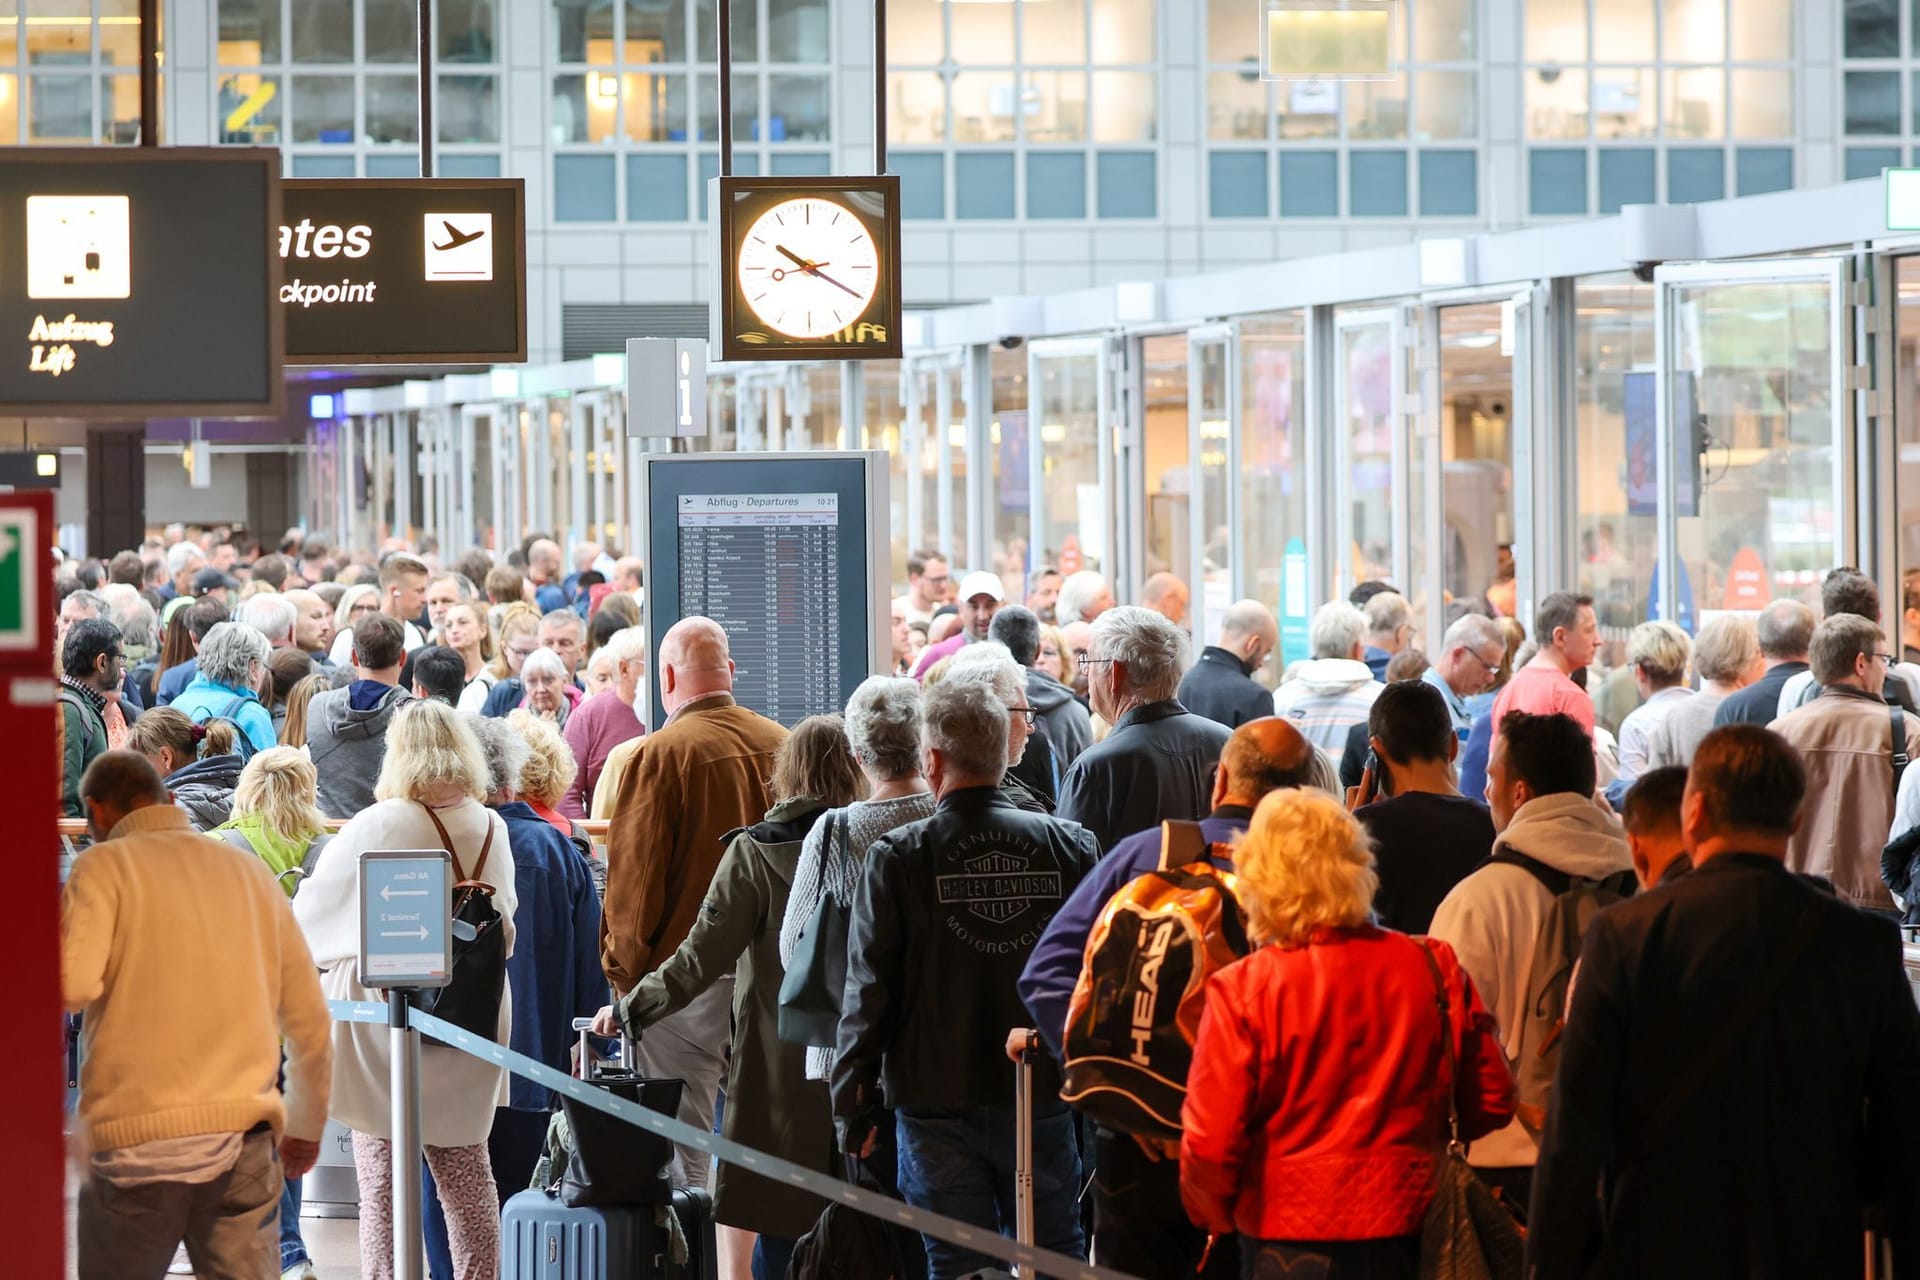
420	933
388	892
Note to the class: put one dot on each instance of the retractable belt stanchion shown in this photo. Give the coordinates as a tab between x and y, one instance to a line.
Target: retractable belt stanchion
404	1083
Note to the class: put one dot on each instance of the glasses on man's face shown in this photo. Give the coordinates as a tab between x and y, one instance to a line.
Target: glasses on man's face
1882	657
1493	668
933	581
1086	660
1029	714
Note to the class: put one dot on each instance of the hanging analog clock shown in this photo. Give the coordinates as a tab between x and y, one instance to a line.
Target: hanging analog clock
807	268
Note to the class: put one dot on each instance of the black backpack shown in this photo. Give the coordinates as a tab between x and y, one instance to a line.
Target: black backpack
846	1244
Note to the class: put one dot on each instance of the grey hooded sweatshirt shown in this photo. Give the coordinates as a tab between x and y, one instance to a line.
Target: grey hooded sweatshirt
347	741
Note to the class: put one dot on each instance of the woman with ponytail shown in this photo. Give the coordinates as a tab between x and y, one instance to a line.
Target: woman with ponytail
198	762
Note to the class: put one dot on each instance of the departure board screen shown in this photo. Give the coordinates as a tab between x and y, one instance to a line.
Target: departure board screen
776	549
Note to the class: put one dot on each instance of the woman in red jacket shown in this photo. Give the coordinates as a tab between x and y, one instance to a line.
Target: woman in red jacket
1316	1114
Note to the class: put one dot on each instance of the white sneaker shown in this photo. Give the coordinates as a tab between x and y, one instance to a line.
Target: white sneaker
300	1271
180	1266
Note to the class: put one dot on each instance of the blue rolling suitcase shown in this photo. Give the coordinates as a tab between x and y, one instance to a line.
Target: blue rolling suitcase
542	1239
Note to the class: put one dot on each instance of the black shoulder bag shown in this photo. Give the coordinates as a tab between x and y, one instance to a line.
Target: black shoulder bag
471	998
811	990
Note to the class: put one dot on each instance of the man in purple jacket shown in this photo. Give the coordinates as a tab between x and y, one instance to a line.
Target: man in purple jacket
1140	1227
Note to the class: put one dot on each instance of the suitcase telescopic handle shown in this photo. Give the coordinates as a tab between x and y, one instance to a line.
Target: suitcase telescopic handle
583	1027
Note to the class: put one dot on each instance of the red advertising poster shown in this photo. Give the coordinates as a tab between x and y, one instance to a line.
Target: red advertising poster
1747	582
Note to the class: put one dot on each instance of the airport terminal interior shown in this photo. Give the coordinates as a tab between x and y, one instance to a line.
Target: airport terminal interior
1507	310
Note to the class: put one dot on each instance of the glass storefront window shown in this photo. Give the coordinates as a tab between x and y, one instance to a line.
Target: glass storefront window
1762	102
1623	102
322	32
1696	102
1053	32
983	36
655	32
1053	106
916	32
983	106
1906	393
797	31
1626	32
1123	30
1446	104
1556	30
1556	102
260	125
1272	464
120	110
1236	107
656	106
1755	361
468	110
1168	460
1010	444
464	30
1763	32
388	28
797	108
916	106
393	108
1444	30
1214	470
249	33
1233	31
1306	110
1124	106
322	109
1695	30
1616	529
1377	110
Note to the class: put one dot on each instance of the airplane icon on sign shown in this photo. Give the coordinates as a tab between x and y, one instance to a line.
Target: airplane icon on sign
457	237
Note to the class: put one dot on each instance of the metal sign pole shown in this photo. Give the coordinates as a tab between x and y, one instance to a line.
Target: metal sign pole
404	1084
879	86
426	88
723	16
149	73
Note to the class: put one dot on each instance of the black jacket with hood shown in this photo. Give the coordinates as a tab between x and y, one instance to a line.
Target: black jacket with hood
205	789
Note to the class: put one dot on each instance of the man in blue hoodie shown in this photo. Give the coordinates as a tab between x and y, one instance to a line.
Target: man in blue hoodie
347	728
1140	1227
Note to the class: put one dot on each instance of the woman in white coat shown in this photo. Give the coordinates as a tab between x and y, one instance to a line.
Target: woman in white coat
434	768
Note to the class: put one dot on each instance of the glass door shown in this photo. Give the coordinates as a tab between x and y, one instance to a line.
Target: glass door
1213	410
1069	463
1752	450
1371	454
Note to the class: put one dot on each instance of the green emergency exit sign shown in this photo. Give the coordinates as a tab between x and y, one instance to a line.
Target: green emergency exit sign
19	584
1903	199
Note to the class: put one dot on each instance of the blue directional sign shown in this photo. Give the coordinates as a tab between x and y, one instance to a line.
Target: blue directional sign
406	907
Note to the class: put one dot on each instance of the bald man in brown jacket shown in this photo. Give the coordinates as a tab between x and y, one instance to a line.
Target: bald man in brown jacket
672	795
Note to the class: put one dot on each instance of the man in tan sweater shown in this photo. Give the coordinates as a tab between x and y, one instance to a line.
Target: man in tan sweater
673	796
185	957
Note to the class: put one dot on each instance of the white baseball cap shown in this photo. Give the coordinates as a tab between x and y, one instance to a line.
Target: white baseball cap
982	584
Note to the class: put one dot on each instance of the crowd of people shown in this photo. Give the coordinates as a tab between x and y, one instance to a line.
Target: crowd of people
1628	940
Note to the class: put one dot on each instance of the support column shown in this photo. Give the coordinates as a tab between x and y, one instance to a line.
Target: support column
270	496
116	487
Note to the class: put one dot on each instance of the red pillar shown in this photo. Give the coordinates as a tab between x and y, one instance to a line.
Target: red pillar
32	1064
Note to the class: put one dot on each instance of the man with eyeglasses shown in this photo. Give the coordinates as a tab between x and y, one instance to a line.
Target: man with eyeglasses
1470	655
927	583
91	666
1855	746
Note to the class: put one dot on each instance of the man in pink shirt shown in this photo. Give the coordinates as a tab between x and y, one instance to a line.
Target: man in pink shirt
1568	635
605	720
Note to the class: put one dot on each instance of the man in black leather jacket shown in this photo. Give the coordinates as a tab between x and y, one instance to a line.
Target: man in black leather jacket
947	911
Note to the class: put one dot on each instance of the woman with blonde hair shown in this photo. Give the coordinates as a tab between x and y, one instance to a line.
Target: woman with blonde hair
276	815
276	819
293	726
515	635
465	632
1325	1071
549	770
430	795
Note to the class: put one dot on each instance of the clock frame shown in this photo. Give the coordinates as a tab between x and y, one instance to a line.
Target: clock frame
740	333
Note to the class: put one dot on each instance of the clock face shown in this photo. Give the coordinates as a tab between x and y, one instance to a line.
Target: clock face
808	267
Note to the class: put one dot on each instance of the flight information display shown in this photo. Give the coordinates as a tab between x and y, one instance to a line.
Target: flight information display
778	550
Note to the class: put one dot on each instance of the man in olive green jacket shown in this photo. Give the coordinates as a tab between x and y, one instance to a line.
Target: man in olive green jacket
91	666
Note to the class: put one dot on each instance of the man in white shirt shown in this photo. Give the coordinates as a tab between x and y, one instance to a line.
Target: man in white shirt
403	594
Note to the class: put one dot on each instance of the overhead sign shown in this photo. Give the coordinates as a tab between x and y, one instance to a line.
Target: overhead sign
139	282
806	268
1903	198
667	387
406	918
404	270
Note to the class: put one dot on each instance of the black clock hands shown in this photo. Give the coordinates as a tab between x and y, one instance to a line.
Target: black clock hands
813	269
